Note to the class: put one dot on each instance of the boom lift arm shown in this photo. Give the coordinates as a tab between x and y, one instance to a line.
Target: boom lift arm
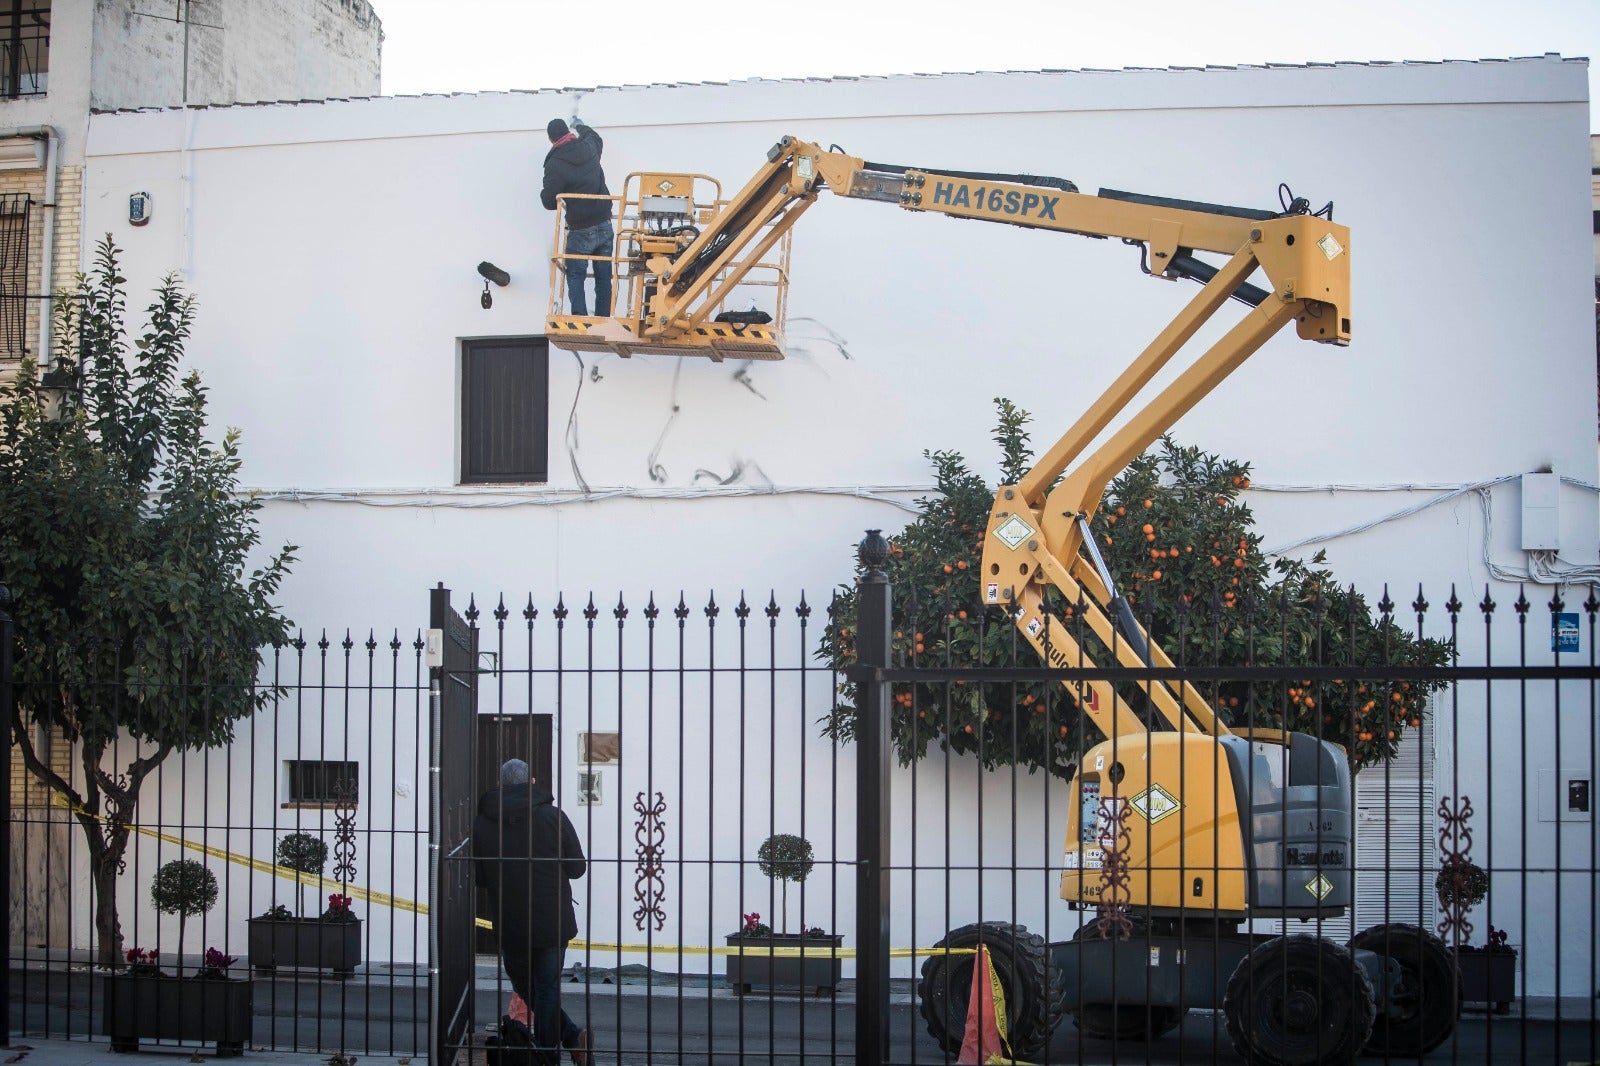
1037	534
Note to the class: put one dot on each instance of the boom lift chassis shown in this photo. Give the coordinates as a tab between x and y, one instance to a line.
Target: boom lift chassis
1263	828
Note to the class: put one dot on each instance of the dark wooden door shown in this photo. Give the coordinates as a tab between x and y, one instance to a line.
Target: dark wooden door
502	737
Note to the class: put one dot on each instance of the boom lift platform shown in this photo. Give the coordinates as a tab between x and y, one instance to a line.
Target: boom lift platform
686	259
660	220
1233	825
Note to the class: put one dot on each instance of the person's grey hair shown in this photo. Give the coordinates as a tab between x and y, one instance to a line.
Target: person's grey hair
513	772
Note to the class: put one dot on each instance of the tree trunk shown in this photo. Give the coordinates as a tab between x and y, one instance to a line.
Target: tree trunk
107	928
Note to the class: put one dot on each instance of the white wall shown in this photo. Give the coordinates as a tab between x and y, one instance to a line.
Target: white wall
333	249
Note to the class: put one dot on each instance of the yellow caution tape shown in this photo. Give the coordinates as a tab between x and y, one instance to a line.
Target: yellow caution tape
317	881
383	899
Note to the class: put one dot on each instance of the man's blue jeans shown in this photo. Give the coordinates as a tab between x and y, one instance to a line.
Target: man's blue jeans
552	1029
591	240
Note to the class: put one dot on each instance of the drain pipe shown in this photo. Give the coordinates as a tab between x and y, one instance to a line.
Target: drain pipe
47	247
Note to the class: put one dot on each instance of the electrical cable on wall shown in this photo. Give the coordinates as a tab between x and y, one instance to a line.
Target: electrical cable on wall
1544	567
737	474
828	335
496	497
653	467
572	429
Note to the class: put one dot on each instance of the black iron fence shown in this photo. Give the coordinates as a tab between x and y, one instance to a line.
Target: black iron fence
1177	895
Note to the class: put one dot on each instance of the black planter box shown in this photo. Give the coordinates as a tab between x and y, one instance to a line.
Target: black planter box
1488	977
307	942
141	1006
759	969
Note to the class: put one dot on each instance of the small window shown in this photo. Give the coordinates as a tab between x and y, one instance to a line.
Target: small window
24	47
505	410
322	783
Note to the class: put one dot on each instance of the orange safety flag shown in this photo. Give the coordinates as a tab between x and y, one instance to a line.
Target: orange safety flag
985	1039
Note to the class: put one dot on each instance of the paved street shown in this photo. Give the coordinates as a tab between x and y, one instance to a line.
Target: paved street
380	1017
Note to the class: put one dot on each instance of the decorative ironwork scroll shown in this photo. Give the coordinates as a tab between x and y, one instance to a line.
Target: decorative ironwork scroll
649	886
1457	873
1113	922
344	830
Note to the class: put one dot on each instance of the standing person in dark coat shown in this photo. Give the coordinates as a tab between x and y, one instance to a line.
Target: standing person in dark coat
527	854
573	166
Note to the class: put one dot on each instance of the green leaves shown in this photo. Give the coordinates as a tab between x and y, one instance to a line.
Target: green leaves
183	887
125	542
302	852
1181	545
786	857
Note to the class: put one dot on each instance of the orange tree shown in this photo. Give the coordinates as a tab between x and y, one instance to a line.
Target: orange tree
1179	541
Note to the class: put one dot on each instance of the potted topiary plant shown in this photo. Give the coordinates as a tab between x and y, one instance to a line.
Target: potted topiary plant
302	853
145	1002
783	960
330	941
1488	973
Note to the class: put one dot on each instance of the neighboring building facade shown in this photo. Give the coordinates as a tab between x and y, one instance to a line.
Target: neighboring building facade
333	248
59	61
62	59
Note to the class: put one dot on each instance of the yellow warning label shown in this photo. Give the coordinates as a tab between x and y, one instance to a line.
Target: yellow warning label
1320	887
1155	803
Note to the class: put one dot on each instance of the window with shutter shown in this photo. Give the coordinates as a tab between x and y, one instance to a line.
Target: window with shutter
505	410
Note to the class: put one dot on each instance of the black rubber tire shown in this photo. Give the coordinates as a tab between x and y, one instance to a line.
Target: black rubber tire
1032	986
1299	1001
1429	997
1123	1021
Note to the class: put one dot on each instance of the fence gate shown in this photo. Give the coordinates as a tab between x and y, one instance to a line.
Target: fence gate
453	679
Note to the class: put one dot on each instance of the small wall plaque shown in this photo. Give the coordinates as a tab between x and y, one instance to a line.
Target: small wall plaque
139	208
599	748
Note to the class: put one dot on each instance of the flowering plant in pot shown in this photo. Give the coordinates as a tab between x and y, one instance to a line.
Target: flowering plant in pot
330	940
783	960
1488	973
754	927
144	1002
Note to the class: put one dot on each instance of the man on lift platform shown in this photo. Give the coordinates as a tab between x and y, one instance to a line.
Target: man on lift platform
573	166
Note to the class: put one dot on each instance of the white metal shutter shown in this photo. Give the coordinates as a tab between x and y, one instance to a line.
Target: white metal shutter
1397	836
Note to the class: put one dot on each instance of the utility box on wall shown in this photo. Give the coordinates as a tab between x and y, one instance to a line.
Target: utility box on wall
1541	515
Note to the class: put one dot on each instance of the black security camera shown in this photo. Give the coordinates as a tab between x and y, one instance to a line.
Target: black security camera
489	272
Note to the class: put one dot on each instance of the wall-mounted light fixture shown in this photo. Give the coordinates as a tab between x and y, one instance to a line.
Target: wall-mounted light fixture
489	272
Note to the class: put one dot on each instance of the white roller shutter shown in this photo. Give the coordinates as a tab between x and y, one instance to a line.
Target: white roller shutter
1397	836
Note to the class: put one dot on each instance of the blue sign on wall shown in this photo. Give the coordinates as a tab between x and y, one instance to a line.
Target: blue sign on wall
1564	633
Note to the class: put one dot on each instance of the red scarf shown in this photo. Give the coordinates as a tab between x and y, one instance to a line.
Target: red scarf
569	137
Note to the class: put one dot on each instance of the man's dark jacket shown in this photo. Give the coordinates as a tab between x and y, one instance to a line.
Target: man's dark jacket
575	167
527	853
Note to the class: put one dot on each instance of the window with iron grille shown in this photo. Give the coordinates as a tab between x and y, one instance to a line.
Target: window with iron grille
323	782
24	47
14	274
505	410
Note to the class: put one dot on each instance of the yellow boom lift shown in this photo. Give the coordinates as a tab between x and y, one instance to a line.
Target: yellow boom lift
1217	826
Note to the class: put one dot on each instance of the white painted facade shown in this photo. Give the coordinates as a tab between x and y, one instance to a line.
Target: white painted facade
333	247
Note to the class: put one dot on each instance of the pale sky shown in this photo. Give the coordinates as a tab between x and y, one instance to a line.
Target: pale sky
474	45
